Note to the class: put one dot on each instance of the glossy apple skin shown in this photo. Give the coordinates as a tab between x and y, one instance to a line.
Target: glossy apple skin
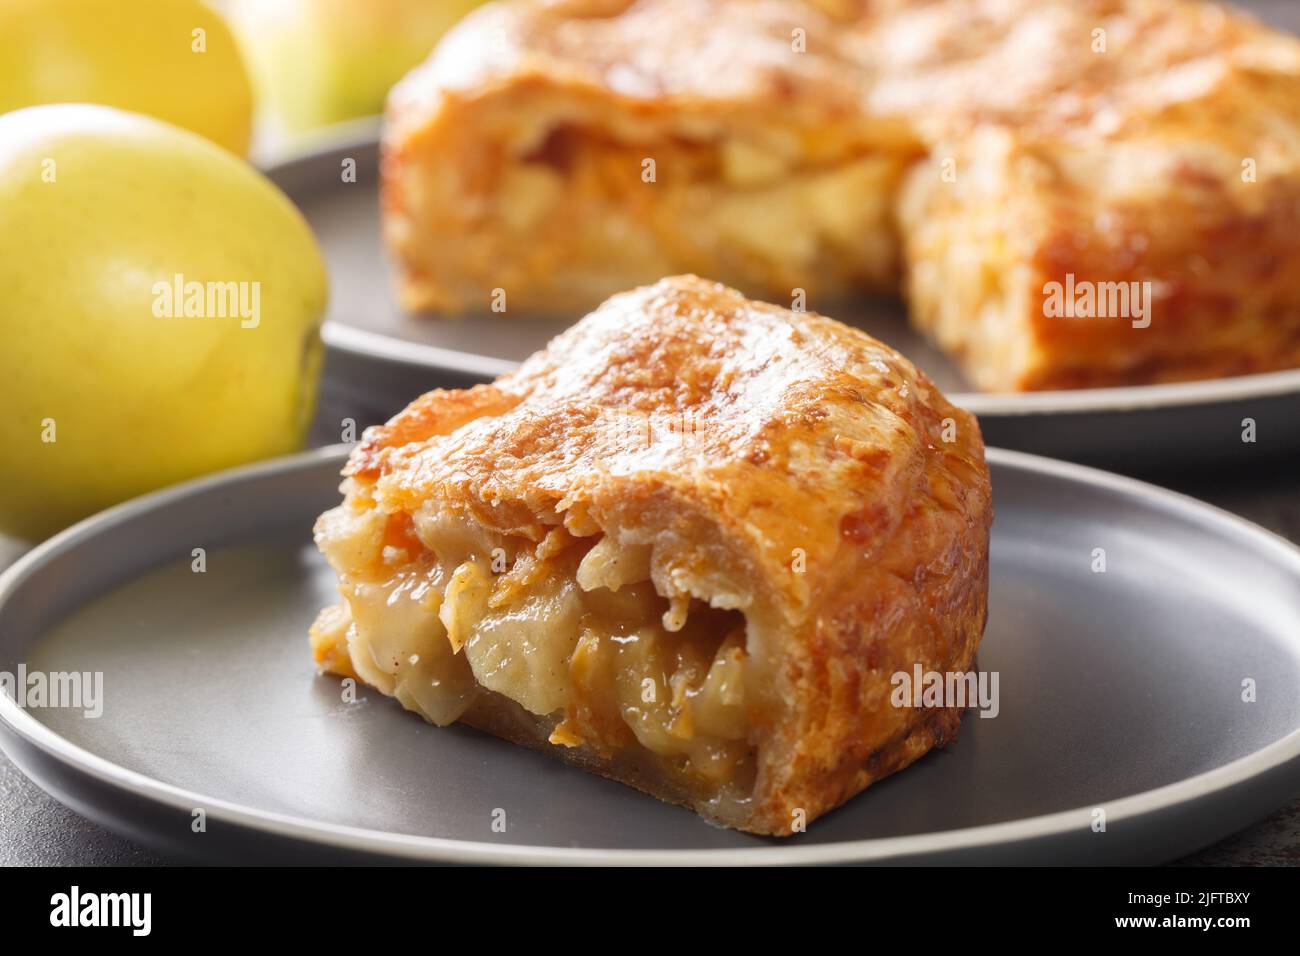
137	55
324	61
139	401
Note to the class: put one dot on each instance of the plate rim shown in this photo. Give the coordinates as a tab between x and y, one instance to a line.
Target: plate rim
329	144
411	847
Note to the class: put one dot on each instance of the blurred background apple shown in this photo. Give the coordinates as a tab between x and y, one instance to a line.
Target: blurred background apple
323	61
173	59
112	383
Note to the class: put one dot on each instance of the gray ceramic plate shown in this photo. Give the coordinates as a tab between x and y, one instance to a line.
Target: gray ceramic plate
1119	691
385	356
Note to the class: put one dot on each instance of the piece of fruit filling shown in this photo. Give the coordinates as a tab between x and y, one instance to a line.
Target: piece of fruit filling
438	610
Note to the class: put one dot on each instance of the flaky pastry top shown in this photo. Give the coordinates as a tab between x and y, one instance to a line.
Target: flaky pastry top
742	439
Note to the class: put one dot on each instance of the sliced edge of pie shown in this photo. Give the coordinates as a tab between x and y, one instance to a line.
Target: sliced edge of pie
687	546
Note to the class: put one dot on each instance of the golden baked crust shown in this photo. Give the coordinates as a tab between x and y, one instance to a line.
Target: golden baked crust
974	151
1169	164
787	480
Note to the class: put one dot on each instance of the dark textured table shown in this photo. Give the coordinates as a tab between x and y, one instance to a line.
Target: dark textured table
36	830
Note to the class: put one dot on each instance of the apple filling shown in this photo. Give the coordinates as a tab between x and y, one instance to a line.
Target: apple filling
447	617
731	208
611	208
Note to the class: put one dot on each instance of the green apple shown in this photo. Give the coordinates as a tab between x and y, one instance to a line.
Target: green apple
323	61
173	59
160	312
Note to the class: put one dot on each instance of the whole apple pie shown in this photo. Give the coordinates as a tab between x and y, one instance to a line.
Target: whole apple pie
983	156
687	547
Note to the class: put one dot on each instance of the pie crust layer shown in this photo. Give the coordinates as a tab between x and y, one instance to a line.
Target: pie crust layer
687	546
971	152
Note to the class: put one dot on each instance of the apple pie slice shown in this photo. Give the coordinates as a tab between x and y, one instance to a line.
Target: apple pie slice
686	546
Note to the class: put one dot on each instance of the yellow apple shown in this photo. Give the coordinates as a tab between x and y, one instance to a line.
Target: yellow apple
173	59
159	317
323	61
